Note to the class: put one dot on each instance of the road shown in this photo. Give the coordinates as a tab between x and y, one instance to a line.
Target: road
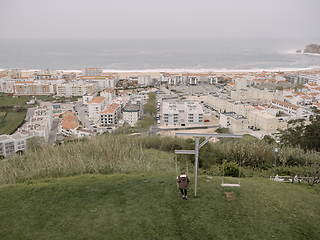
82	117
53	132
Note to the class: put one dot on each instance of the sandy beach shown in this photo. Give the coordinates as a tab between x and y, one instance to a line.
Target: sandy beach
156	74
217	73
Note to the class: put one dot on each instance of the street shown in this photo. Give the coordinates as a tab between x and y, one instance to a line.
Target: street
53	132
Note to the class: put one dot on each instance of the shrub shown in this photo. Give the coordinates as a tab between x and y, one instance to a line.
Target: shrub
229	169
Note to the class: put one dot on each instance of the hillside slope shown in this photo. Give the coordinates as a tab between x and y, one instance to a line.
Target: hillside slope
148	207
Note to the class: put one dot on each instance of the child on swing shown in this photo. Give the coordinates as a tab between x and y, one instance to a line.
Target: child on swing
183	181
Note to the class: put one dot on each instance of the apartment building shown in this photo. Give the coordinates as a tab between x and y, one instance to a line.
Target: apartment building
253	95
285	107
258	119
212	79
263	121
193	80
109	94
76	88
91	72
96	106
6	145
69	128
34	88
10	144
144	80
131	113
240	84
101	82
113	113
181	113
234	122
47	74
7	85
40	123
88	97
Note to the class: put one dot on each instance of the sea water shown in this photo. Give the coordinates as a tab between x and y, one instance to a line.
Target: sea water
158	54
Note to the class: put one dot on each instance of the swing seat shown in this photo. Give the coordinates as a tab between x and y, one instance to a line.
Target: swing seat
229	185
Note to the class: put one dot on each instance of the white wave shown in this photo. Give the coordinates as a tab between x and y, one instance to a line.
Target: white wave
222	70
291	51
294	51
181	70
312	54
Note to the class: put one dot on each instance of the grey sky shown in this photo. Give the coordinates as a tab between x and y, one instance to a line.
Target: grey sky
159	18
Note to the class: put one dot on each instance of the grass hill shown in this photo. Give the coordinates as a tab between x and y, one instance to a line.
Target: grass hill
147	206
123	187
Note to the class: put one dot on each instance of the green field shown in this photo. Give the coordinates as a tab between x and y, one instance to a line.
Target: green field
137	206
14	117
9	100
12	121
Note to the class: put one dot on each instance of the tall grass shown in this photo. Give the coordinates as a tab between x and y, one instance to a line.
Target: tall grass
105	154
141	154
260	155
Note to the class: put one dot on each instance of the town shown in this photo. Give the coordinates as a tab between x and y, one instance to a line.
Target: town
92	102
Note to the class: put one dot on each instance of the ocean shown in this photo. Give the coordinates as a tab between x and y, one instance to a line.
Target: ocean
158	54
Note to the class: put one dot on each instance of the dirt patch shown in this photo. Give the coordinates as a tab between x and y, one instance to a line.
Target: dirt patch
230	195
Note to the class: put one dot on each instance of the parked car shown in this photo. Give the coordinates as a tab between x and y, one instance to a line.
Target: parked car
207	120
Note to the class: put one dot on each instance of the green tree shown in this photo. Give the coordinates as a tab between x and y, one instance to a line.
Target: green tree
298	134
124	129
152	96
150	108
298	86
144	124
279	88
312	134
268	139
293	135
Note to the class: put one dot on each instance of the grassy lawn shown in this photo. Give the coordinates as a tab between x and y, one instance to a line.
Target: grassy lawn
9	100
13	118
149	207
12	121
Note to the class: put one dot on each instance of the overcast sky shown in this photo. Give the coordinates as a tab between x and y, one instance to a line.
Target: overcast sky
159	18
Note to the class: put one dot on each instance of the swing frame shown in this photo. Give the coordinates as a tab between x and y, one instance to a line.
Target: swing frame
197	147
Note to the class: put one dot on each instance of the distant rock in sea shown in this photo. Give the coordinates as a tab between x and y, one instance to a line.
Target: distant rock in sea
298	51
312	48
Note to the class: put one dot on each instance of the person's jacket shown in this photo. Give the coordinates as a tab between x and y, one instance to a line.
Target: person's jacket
183	181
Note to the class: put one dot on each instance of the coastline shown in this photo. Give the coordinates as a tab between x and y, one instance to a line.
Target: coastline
155	73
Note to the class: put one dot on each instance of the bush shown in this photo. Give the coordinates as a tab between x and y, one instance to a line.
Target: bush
229	169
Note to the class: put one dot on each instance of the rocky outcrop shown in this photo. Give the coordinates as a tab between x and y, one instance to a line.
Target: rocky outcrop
312	48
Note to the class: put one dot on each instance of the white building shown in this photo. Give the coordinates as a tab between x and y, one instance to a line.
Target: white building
182	113
109	94
288	108
112	114
76	88
263	121
254	95
96	106
131	113
40	122
212	79
234	122
7	85
69	128
91	72
10	144
240	84
144	80
88	97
